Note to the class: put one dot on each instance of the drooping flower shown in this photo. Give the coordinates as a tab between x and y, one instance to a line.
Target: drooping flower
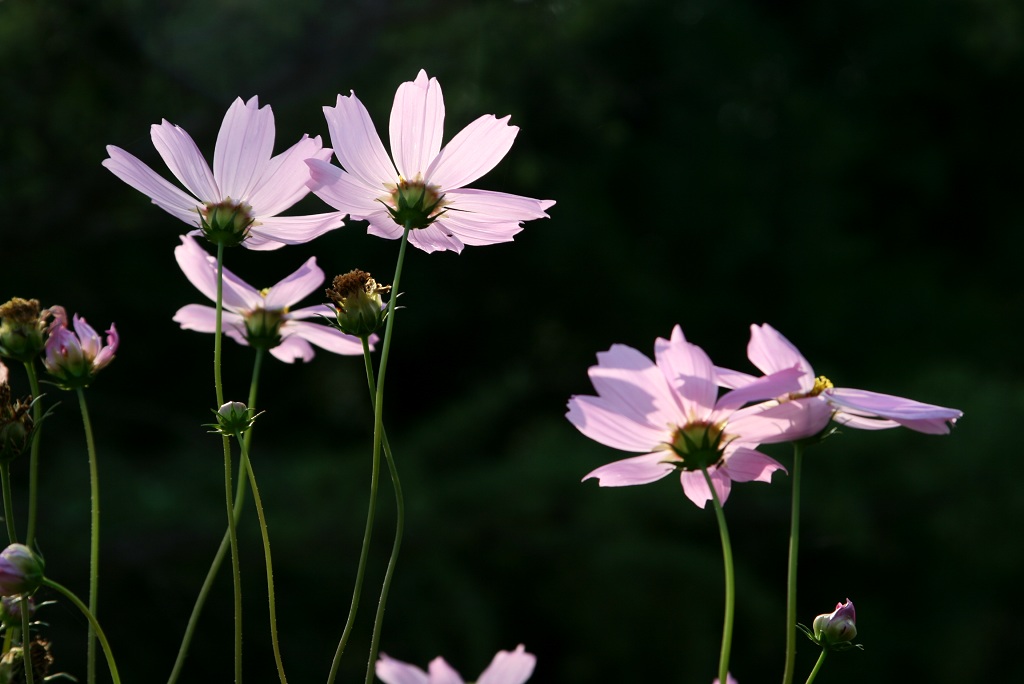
74	358
508	667
262	319
670	412
769	351
425	185
240	199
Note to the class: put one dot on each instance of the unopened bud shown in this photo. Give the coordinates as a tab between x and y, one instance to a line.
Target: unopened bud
837	627
233	418
21	570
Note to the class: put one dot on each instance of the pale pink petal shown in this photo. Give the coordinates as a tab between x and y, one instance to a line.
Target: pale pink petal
915	415
732	379
766	387
863	422
604	423
689	371
417	123
748	465
769	351
201	270
87	336
382	225
285	179
471	230
496	205
244	145
308	278
106	354
391	671
786	422
729	679
696	487
323	336
4	374
443	673
317	311
633	386
166	196
636	470
293	348
434	238
185	161
203	318
357	145
473	152
344	191
293	230
513	667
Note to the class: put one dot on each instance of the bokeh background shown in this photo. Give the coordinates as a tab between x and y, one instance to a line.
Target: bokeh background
848	172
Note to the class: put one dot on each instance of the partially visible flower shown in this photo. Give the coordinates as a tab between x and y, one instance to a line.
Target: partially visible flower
769	351
425	186
74	358
261	318
670	412
358	306
21	570
16	423
240	199
729	679
508	667
22	329
11	607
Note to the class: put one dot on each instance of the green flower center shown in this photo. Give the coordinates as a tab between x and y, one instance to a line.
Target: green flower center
415	203
699	445
226	223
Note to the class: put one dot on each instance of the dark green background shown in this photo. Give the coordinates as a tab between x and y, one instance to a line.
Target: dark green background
848	172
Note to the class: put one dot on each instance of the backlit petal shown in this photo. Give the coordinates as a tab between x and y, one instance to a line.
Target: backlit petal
244	145
696	487
185	161
357	145
915	415
391	671
304	281
473	152
769	351
285	178
513	667
748	465
165	195
637	470
595	418
417	123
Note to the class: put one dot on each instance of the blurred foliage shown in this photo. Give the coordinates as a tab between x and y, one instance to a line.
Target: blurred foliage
846	171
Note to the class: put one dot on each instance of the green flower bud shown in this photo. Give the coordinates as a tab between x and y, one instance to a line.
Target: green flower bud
233	418
21	570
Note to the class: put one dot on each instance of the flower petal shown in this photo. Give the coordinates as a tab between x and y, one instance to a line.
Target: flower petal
357	145
513	667
770	386
769	351
295	287
471	231
732	379
244	145
915	415
203	318
696	487
292	230
324	337
604	423
473	152
285	178
636	470
689	371
201	270
391	671
344	191
293	348
496	205
434	238
185	161
786	422
443	673
417	123
633	386
166	196
748	465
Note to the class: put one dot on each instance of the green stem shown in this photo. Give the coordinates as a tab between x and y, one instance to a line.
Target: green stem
225	542
93	626
26	642
5	482
94	537
378	416
33	464
730	583
794	548
266	552
399	514
817	666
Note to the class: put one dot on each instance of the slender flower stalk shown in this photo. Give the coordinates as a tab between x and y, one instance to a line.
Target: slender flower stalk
33	463
94	626
399	512
94	537
5	482
794	550
378	415
817	666
730	582
225	542
247	466
26	643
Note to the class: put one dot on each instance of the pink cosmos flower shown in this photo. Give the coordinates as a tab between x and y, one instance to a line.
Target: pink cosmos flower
670	411
261	318
426	184
247	188
74	358
769	351
513	667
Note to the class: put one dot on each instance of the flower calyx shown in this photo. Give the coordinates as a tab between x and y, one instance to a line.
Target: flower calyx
415	204
226	223
233	419
834	631
22	329
699	445
358	306
263	326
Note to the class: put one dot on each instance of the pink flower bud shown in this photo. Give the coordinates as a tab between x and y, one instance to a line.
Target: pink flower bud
839	626
21	570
